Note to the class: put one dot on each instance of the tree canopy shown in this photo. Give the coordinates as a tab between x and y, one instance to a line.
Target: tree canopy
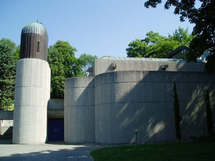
157	46
8	58
87	61
63	64
202	14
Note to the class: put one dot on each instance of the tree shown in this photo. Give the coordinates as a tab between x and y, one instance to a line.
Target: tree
202	14
156	46
182	37
176	112
7	73
63	64
87	61
136	49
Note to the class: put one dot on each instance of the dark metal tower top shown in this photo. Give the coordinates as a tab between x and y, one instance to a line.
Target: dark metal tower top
34	41
36	28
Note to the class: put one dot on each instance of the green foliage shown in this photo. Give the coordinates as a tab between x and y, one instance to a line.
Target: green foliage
202	14
17	53
157	46
63	64
176	113
7	73
87	61
181	36
136	49
209	115
8	108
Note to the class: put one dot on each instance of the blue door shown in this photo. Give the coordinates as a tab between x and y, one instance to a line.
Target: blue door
55	129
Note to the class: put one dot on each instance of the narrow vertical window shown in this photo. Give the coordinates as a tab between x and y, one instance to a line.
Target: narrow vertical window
38	46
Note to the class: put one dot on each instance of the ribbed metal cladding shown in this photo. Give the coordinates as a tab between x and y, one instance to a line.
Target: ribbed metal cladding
34	41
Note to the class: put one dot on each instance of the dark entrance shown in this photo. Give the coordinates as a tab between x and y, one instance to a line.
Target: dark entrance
55	129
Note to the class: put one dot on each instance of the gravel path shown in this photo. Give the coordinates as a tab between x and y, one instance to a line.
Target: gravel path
46	152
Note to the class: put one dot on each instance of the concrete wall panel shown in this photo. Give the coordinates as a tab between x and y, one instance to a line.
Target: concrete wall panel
151	121
103	123
144	101
56	104
79	111
104	97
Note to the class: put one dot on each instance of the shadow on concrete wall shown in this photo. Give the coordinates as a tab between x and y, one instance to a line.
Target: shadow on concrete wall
193	112
145	112
142	106
154	118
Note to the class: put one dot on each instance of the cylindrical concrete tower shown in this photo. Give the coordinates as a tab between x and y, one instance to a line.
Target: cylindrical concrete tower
32	87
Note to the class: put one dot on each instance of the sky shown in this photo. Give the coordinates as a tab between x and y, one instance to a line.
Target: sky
96	27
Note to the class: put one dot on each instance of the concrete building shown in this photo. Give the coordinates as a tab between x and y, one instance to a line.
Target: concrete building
131	100
32	87
124	100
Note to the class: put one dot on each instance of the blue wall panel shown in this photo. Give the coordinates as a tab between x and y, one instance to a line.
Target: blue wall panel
55	130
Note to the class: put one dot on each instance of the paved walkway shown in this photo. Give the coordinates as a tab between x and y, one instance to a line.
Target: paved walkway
46	152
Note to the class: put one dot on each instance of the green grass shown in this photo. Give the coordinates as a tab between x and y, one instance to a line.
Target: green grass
198	151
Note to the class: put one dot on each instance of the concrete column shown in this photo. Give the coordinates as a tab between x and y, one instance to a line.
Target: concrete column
31	100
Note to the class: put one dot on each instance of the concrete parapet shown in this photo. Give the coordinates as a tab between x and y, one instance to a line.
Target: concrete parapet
56	104
31	101
110	64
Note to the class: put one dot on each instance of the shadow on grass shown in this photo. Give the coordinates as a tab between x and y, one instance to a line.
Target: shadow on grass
196	151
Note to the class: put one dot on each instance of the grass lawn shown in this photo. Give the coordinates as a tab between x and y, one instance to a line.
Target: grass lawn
198	151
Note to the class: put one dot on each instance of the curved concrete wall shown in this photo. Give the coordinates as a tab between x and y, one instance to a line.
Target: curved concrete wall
133	106
79	110
126	102
31	100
